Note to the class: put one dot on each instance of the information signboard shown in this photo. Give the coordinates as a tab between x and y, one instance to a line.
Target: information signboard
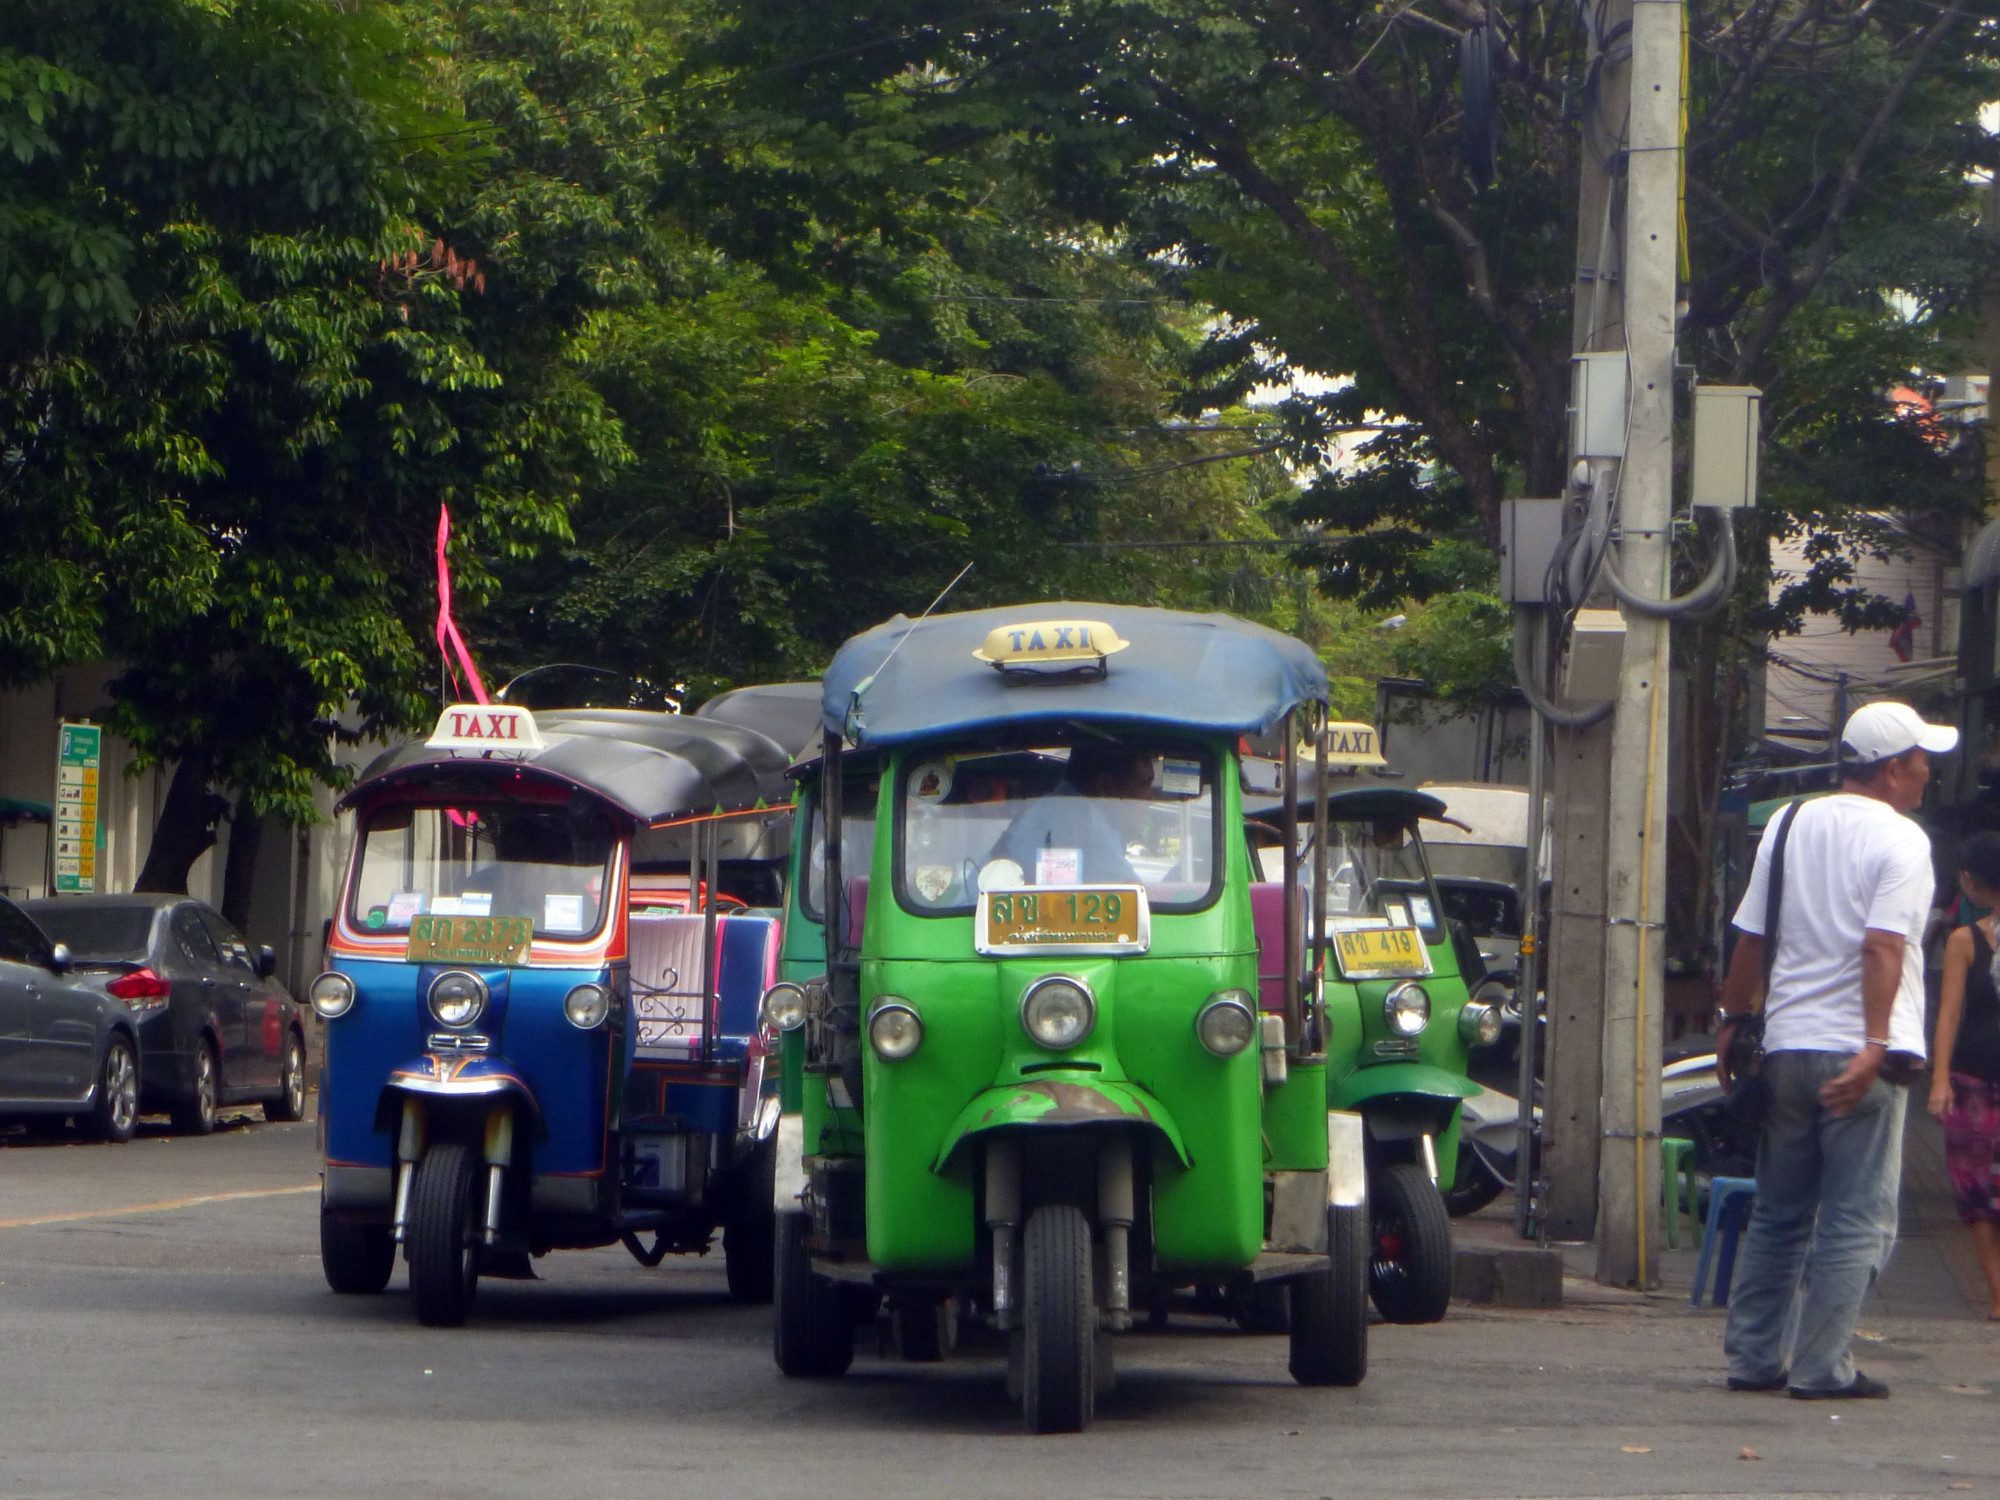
79	831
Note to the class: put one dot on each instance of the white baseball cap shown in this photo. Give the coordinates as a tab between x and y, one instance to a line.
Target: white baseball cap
1876	731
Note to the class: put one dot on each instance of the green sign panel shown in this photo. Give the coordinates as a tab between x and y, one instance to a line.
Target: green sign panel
79	830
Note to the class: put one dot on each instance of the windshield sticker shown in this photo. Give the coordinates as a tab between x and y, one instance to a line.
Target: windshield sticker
999	875
1180	778
1397	913
930	783
933	883
562	913
403	905
1420	908
376	918
1058	866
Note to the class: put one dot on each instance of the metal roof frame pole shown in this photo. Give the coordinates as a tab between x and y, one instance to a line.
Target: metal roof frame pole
1527	983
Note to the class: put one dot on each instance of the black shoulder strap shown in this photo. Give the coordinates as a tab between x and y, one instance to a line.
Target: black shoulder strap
1774	888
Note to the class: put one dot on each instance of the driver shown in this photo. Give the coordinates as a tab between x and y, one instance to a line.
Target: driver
1097	809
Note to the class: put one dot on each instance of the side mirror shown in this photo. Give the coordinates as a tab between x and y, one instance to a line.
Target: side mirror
267	961
60	960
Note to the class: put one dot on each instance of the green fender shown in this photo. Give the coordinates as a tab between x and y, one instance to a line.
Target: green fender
1056	1103
1363	1084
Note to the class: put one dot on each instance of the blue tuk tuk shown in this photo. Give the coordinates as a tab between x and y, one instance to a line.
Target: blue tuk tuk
542	996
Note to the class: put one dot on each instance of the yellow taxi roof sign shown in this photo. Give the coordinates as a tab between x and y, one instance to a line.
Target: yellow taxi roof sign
487	728
1352	744
1036	644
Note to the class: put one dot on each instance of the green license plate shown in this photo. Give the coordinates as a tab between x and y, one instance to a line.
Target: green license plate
470	940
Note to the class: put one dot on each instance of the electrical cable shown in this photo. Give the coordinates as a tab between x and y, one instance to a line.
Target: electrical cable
1529	681
1703	599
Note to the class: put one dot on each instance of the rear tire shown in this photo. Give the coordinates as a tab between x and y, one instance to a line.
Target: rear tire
749	1245
442	1235
1262	1307
357	1258
1330	1307
195	1115
290	1104
1473	1186
1409	1274
1059	1321
812	1335
115	1115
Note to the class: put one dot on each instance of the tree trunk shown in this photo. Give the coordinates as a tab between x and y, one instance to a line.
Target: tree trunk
185	831
239	873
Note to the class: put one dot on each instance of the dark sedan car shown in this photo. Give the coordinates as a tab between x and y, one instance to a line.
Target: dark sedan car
214	1027
66	1047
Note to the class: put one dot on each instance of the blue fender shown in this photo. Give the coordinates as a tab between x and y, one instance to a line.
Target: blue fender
456	1076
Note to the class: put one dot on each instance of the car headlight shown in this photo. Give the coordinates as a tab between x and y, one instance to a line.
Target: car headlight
895	1030
1479	1025
1058	1012
784	1007
457	998
332	995
1407	1009
1227	1024
587	1005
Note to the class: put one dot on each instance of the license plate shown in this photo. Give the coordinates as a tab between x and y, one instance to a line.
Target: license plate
1064	919
470	940
1381	952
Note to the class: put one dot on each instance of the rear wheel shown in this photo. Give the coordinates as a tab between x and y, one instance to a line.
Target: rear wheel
812	1334
357	1258
1473	1186
115	1115
291	1101
442	1235
748	1234
1330	1307
1260	1307
1410	1273
1059	1321
195	1115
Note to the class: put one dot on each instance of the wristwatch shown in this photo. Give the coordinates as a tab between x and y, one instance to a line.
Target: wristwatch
1731	1017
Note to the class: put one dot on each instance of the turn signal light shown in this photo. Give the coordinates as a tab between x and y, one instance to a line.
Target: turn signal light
140	984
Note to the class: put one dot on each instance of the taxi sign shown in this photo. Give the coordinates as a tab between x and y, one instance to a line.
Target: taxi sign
1381	952
1043	645
1352	744
489	728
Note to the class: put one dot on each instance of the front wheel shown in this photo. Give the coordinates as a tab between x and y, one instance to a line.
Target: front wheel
1410	1274
1059	1321
749	1244
812	1334
1330	1307
115	1115
195	1115
357	1258
291	1101
442	1235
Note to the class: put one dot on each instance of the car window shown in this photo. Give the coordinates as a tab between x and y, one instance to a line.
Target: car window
228	941
192	937
21	941
97	932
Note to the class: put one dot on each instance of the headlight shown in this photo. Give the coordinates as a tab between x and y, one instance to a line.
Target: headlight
1058	1012
895	1031
1227	1024
332	995
457	998
1479	1025
1407	1009
587	1005
784	1007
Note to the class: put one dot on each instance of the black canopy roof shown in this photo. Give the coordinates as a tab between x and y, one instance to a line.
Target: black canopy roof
1355	797
787	712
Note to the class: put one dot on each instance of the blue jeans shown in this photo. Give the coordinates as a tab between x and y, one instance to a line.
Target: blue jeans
1823	1226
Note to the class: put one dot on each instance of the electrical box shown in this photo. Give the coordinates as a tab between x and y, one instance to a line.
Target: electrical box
1724	475
1530	532
1597	405
1596	655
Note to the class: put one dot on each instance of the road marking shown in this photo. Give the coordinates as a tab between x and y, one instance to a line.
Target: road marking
153	1208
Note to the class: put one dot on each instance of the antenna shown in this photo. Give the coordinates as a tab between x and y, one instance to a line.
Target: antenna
854	698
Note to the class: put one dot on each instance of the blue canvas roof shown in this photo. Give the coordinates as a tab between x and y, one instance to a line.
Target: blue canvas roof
910	679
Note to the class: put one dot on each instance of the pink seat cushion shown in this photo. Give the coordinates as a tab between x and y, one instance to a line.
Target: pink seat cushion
1267	912
857	911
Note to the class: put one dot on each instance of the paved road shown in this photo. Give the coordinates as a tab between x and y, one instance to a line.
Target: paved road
150	1350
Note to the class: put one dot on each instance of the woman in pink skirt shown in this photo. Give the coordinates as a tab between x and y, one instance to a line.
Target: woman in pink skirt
1965	1066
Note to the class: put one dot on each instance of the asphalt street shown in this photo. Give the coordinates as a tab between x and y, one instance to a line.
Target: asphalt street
164	1331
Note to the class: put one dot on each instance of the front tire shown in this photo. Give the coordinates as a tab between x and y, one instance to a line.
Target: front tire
1330	1307
749	1234
812	1336
1059	1321
1410	1273
357	1258
115	1115
290	1104
195	1115
442	1235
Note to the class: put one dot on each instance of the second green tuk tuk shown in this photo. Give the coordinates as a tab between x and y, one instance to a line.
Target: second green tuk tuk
1036	1085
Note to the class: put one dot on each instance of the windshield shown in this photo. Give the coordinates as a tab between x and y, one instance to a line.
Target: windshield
857	839
548	864
1129	813
1375	875
98	932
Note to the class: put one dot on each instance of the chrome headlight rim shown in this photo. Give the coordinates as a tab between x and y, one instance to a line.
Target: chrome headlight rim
1405	1004
481	995
331	995
884	1040
1040	988
1226	1003
783	1007
591	1001
1479	1024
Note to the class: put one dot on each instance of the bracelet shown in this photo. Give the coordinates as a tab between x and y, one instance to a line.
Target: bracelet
1877	1041
1731	1017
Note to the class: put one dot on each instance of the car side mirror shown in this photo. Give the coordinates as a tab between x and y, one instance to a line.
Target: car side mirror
267	961
60	960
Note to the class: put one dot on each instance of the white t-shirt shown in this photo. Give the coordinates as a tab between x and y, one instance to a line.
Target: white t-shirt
1851	863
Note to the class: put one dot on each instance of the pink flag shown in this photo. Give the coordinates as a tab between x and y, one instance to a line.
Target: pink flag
448	638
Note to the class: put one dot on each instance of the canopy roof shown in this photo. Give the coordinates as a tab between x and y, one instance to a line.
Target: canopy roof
650	766
1355	797
914	679
787	712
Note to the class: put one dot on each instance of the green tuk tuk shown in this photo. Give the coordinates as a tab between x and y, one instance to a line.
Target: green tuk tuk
1037	1083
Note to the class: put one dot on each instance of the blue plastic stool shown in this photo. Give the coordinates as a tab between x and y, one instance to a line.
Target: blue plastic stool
1730	1200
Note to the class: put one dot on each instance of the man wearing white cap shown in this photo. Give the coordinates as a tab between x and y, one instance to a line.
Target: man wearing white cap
1845	990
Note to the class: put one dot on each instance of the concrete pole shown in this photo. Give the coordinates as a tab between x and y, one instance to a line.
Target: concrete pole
1628	1228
